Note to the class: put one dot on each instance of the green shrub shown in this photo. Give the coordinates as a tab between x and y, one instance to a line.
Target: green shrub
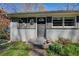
55	48
71	49
2	36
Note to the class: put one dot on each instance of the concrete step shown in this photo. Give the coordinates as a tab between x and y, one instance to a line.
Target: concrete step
38	41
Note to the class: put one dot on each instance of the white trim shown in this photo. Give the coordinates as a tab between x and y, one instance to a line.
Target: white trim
36	27
75	26
63	22
52	20
46	27
56	26
76	22
70	26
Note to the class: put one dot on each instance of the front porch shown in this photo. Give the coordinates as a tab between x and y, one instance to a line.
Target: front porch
51	28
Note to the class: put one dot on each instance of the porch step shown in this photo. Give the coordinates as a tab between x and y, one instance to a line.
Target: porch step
41	43
38	41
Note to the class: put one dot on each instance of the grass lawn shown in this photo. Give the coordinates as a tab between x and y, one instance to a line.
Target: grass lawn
15	49
71	49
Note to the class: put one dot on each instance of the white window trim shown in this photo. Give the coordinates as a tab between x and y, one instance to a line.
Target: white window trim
70	26
63	26
56	26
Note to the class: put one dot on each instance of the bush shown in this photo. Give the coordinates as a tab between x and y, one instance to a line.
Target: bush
2	37
64	50
54	48
71	49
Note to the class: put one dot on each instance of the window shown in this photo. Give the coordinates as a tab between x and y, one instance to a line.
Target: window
31	21
69	21
24	20
57	21
49	19
20	21
41	20
77	19
15	19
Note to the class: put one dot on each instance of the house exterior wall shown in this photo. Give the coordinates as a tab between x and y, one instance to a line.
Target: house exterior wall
29	32
22	34
51	34
55	34
65	32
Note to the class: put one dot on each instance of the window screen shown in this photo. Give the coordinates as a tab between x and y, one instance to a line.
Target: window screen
41	20
69	21
49	19
24	20
20	20
15	19
57	21
77	19
31	19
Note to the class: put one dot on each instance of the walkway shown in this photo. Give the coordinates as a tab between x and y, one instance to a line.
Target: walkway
37	50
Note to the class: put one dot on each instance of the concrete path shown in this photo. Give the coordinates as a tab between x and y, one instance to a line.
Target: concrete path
37	51
37	47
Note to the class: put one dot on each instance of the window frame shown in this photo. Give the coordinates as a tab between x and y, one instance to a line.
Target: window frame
57	26
31	21
70	26
63	26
